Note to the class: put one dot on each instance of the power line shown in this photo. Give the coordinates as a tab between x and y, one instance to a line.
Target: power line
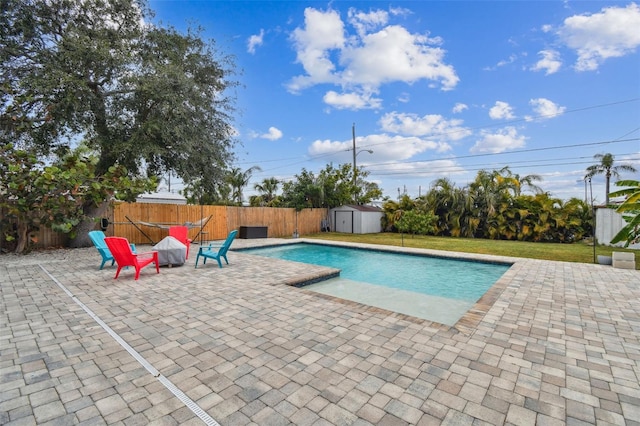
520	151
453	169
524	163
372	166
520	120
501	123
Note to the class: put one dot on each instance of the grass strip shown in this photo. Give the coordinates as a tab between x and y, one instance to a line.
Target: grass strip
581	252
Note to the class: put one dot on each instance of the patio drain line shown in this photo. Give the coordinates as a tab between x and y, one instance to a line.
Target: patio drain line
195	408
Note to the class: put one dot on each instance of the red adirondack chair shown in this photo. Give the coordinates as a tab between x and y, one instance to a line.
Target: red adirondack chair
124	256
180	233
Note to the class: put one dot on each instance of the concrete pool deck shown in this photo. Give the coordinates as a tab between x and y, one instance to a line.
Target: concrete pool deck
551	343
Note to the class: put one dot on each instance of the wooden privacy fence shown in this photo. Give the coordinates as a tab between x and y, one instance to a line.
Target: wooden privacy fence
124	220
134	220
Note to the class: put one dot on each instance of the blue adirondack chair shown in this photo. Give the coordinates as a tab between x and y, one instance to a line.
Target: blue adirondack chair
216	252
97	238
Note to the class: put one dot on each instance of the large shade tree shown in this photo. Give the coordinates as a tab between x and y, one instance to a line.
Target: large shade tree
141	96
605	166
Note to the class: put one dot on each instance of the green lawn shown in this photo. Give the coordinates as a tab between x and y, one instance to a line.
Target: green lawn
577	252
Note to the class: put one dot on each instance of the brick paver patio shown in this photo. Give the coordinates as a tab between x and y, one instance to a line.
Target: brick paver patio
553	343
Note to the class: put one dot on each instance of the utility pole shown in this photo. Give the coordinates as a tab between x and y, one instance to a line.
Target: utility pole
353	134
355	166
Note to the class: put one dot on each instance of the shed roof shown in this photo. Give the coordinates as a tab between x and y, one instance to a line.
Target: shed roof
362	208
162	198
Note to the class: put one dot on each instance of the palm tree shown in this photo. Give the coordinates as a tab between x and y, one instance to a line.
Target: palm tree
443	200
390	209
528	182
488	190
238	180
267	190
605	166
630	209
515	183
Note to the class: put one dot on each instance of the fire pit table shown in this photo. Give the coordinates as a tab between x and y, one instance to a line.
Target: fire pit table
171	252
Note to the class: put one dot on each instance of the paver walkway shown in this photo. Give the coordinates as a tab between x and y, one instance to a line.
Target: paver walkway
557	343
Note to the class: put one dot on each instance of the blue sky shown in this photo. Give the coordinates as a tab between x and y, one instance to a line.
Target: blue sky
434	88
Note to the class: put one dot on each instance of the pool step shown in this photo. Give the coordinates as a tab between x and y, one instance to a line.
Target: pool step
433	308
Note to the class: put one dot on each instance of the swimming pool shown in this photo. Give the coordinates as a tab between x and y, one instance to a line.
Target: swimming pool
434	288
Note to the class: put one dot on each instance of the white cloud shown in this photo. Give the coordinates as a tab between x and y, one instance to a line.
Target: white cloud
352	100
273	135
501	111
366	22
545	109
611	33
400	11
404	97
503	140
255	40
322	33
386	148
504	62
421	169
373	54
550	62
394	54
430	125
459	107
510	60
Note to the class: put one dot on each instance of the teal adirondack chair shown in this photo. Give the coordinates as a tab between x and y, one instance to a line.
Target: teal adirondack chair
216	252
97	238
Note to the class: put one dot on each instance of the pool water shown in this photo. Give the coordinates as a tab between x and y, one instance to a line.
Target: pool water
434	288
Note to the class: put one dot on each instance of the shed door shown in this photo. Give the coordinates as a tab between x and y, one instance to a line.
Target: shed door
344	221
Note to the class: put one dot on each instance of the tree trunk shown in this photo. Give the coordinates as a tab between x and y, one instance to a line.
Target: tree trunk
92	222
23	237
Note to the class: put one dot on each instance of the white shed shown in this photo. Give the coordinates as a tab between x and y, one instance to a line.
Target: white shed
354	219
162	198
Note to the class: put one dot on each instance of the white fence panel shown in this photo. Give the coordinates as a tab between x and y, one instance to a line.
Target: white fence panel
608	223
